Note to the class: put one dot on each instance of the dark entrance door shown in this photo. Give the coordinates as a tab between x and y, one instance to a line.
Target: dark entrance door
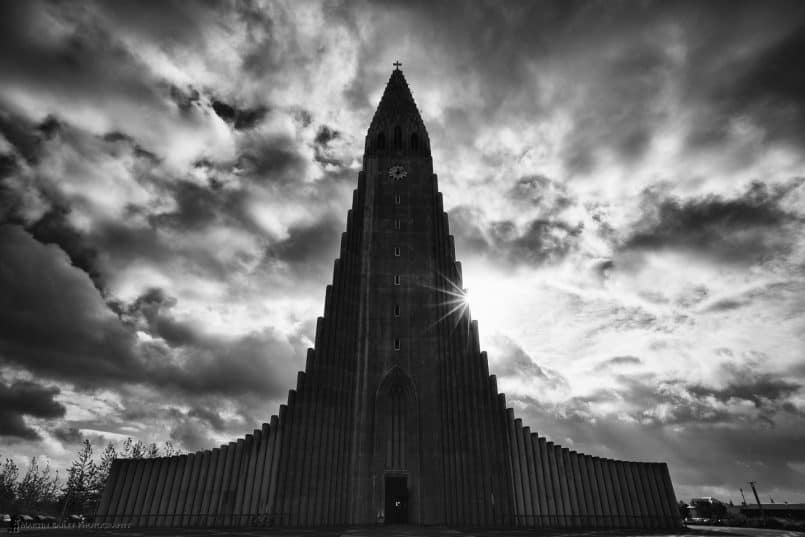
396	499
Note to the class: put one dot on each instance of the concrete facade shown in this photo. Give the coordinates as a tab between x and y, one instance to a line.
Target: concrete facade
395	418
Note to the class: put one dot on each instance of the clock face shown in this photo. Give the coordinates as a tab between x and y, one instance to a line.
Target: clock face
397	173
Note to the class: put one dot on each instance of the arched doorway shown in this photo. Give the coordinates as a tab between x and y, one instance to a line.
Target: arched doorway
396	457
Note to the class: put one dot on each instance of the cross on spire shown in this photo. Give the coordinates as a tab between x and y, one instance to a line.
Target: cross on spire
397	65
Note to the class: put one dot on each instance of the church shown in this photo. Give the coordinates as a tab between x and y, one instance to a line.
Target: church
395	418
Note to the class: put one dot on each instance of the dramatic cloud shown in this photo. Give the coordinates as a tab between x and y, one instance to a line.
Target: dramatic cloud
25	398
624	182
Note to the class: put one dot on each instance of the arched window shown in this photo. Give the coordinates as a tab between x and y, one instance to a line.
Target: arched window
381	142
397	137
414	142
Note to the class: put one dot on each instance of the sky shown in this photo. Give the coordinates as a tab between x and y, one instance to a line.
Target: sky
625	182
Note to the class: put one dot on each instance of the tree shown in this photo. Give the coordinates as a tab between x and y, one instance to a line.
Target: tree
37	489
79	491
9	473
103	468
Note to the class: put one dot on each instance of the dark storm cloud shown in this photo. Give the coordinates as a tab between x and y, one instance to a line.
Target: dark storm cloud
77	338
744	229
240	118
539	242
309	249
53	319
26	398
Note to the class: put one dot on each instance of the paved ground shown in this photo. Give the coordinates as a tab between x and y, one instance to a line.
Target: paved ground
407	531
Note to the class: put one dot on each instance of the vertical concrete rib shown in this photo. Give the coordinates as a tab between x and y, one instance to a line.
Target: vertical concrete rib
152	496
519	468
581	505
221	504
529	480
186	491
615	493
240	483
136	488
662	494
628	501
571	489
217	486
607	508
102	512
631	493
192	489
204	519
638	504
142	492
197	490
269	474
549	520
175	490
560	512
275	505
595	493
260	478
543	484
284	496
119	493
564	484
235	481
585	491
525	487
670	495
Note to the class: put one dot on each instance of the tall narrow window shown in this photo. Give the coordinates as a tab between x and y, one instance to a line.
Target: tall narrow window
396	279
381	142
396	224
397	344
397	137
396	310
414	142
396	251
397	199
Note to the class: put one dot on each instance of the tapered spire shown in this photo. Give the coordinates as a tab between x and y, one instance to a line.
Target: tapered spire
397	110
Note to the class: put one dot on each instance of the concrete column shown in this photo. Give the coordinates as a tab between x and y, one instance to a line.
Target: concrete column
648	497
636	499
517	468
192	489
595	493
253	475
586	490
154	491
604	487
237	460
676	521
136	486
142	492
111	484
161	508
274	506
556	477
528	476
612	477
240	483
548	485
261	475
204	519
198	490
544	484
282	497
583	514
628	501
216	487
563	484
657	473
571	489
269	475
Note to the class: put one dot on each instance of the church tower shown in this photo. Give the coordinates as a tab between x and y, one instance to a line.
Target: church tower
395	418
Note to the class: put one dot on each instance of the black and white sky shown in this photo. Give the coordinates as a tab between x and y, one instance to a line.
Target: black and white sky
625	181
